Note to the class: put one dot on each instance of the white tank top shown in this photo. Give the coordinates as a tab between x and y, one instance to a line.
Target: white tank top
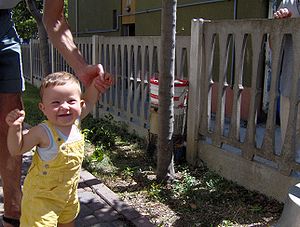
50	152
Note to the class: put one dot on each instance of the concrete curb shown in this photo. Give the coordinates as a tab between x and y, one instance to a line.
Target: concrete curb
112	199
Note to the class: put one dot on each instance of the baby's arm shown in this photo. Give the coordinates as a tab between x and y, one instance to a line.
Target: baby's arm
91	94
18	143
15	119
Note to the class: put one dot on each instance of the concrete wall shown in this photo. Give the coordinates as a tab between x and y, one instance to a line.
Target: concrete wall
252	175
250	154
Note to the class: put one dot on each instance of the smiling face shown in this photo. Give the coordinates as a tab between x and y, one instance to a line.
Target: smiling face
62	104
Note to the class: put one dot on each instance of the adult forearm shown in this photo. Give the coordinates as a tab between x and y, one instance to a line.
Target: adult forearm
60	34
62	39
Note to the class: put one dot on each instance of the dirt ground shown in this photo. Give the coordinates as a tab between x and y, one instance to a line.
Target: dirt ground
197	198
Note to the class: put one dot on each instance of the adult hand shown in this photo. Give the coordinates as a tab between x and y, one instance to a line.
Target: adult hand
88	73
103	79
282	13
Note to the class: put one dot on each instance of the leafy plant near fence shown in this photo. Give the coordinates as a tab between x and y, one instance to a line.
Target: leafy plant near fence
103	134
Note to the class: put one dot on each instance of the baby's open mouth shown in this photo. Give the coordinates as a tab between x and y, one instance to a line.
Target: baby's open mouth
64	115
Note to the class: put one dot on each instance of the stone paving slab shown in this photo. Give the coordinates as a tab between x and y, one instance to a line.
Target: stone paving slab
100	207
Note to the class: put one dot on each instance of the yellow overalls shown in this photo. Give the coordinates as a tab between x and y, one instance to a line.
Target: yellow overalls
50	188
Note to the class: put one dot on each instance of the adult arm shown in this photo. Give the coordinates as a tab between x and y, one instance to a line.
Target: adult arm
61	36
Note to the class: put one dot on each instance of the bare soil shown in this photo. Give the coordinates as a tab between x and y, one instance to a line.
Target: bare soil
198	197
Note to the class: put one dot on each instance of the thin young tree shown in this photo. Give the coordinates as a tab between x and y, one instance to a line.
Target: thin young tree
43	38
165	163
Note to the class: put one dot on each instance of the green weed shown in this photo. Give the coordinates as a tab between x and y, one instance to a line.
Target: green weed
183	187
226	223
128	172
155	191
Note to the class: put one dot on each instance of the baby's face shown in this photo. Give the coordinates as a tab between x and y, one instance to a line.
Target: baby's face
62	104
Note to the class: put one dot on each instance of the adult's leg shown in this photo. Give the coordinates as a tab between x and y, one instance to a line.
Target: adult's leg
10	167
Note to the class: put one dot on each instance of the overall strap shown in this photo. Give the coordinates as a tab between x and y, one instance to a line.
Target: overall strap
57	139
78	123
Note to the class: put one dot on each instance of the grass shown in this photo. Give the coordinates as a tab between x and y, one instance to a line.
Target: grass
31	99
198	196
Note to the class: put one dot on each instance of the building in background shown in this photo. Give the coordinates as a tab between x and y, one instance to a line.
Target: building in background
142	17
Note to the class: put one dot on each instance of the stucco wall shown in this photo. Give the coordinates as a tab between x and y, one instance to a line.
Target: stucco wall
93	15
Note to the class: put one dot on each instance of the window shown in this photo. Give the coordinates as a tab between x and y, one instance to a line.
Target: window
115	19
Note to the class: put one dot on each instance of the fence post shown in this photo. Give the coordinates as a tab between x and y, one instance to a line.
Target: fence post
30	62
52	58
196	64
95	60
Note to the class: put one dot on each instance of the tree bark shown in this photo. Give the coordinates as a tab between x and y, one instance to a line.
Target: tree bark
165	162
43	38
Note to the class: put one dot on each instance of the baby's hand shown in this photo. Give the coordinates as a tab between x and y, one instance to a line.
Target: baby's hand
15	117
103	82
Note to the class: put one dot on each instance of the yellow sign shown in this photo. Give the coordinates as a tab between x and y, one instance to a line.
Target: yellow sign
128	11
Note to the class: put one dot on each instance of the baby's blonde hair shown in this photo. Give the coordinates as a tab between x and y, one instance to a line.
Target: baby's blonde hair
57	79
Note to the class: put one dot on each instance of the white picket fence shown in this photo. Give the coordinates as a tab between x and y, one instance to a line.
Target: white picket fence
132	61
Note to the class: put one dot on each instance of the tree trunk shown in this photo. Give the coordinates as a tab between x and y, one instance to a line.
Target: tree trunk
165	163
43	38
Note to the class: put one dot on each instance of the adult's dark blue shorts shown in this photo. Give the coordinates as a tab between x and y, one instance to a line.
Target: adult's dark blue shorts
11	75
